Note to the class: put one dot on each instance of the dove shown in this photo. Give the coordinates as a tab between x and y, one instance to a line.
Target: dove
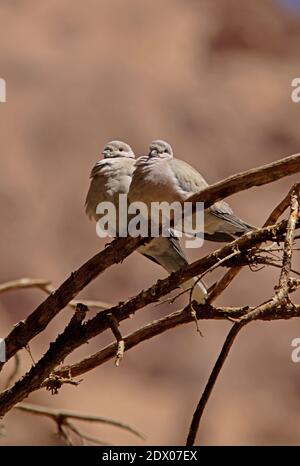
160	177
111	177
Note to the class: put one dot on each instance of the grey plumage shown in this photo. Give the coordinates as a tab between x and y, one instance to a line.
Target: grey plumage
112	176
172	180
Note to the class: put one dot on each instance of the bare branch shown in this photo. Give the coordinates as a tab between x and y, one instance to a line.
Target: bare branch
119	249
80	334
114	325
38	320
248	179
24	283
40	371
282	206
59	416
211	382
286	285
233	272
45	285
160	326
14	372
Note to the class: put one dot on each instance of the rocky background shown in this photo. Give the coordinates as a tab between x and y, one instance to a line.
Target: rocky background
213	77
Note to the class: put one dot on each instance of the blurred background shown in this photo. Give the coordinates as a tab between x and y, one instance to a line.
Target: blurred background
213	77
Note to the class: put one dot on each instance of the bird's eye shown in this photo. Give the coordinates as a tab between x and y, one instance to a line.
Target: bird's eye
166	150
121	150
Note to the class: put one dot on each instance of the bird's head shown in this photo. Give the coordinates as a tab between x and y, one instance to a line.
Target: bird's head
117	149
160	149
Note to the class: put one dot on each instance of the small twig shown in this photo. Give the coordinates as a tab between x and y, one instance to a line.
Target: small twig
61	415
211	269
27	348
223	284
15	371
282	206
172	299
114	325
24	283
265	261
285	285
84	436
63	432
211	383
288	243
47	287
234	271
194	316
171	321
41	370
53	383
284	288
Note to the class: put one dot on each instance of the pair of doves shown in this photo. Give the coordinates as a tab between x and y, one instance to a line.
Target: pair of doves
159	177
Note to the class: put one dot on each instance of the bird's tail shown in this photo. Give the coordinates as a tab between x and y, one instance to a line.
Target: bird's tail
199	289
167	252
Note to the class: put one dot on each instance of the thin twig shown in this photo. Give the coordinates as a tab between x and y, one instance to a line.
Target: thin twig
280	297
282	206
47	287
211	382
60	415
229	276
114	325
171	321
15	371
84	436
41	370
285	285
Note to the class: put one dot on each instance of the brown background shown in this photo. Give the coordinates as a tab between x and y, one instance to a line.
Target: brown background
214	79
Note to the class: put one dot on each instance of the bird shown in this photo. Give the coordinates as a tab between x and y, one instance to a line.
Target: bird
159	176
112	176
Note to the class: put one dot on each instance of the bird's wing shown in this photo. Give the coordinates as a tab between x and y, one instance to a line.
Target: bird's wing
235	225
221	224
188	179
109	178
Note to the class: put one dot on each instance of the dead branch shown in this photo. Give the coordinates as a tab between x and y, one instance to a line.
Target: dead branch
211	382
157	327
15	370
68	341
24	283
61	418
271	220
38	320
282	206
119	249
40	371
114	325
45	285
280	299
248	179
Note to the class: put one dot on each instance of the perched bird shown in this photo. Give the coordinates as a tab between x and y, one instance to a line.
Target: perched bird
161	177
112	176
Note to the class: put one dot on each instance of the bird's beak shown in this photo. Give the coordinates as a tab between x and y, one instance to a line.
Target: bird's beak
152	152
105	153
